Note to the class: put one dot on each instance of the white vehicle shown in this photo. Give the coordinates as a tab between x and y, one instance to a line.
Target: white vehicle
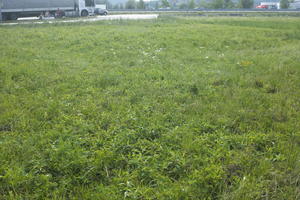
101	4
13	9
100	7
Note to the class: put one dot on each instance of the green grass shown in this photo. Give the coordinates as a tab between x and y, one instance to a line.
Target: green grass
176	108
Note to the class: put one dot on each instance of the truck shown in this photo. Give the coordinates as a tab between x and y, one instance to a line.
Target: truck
100	7
13	9
269	5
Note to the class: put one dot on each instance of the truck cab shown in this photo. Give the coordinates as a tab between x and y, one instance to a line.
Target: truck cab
86	7
100	7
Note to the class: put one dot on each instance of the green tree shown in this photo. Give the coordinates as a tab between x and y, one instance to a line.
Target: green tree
130	4
204	4
141	4
165	3
284	4
183	6
246	3
217	4
228	4
192	4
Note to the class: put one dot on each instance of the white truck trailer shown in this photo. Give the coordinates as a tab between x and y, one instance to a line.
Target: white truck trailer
13	9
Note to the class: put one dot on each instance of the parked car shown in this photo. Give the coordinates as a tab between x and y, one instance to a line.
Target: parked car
100	11
262	6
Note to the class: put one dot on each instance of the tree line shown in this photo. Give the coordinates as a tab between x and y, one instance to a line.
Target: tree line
189	4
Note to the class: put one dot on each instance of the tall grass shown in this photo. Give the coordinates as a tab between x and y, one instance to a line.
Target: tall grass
176	108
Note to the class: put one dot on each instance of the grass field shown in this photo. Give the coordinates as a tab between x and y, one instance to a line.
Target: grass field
176	108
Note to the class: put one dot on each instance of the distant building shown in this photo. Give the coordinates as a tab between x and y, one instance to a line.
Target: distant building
295	5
